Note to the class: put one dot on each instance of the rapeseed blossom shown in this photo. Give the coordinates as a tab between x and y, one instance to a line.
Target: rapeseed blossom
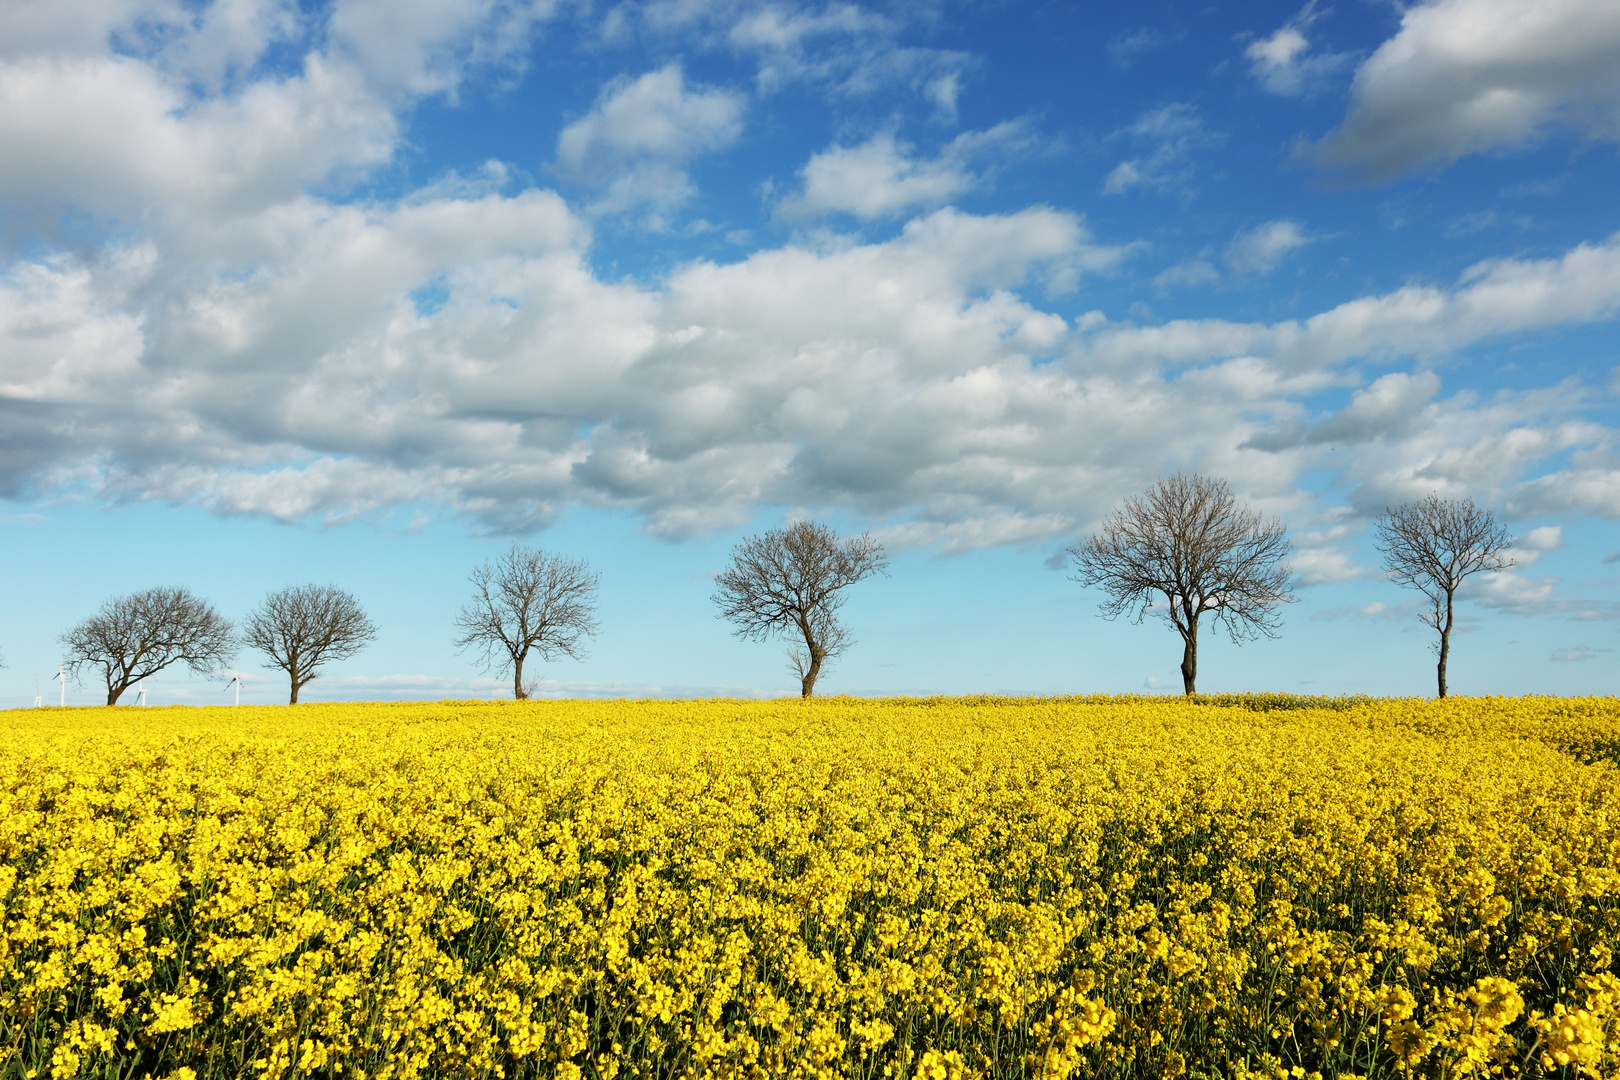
934	888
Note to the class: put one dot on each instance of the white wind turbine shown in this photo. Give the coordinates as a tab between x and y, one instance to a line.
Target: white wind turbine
38	701
61	673
236	681
140	692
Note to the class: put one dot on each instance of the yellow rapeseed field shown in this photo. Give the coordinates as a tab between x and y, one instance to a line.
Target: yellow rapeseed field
899	888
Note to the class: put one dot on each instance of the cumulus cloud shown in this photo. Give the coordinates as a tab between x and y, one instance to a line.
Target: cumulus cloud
1466	76
110	136
906	381
195	109
207	43
1498	296
1579	652
1327	564
1391	406
1257	251
420	47
641	134
880	178
249	341
1283	62
1529	548
1517	594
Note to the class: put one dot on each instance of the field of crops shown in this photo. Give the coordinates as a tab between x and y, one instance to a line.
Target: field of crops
930	888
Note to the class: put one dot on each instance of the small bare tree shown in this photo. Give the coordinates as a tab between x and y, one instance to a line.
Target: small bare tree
1189	541
136	636
790	581
528	601
1432	545
302	628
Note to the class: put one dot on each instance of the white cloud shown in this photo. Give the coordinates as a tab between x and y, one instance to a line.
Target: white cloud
1251	253
109	136
249	343
1519	595
843	49
1579	652
421	47
401	48
905	381
639	137
1257	251
1283	62
1528	549
1277	53
1391	406
1590	485
876	179
1189	272
1500	296
1465	76
1167	138
879	178
1328	564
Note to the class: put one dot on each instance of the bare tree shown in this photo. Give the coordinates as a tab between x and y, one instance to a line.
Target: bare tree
790	581
136	636
302	628
528	601
1189	541
1432	545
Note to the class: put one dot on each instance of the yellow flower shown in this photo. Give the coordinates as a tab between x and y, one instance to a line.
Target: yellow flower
945	888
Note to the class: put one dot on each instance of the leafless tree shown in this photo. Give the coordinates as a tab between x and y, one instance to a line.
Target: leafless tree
790	581
1432	545
1189	541
136	636
304	627
528	601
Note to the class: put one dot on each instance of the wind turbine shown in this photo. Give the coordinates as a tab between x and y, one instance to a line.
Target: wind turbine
236	681
61	673
140	694
38	701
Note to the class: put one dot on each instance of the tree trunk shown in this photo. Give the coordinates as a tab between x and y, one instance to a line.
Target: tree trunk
518	693
113	694
1445	646
1189	659
807	683
292	673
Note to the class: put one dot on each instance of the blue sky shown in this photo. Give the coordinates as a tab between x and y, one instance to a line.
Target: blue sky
358	293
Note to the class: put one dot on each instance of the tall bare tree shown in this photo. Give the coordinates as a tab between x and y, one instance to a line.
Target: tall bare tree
302	628
1432	545
136	636
1189	542
528	601
790	582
